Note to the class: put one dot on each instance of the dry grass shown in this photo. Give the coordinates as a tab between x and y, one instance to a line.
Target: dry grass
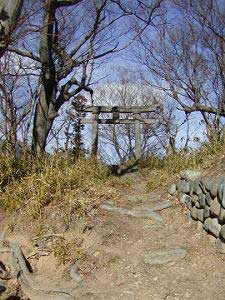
66	252
164	171
31	185
12	169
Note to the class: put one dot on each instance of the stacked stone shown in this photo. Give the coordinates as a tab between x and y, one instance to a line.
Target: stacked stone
205	198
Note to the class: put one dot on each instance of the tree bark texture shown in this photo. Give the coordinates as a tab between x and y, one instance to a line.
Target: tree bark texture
10	11
42	118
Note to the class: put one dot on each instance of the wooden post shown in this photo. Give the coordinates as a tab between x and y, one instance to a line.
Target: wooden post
94	149
137	129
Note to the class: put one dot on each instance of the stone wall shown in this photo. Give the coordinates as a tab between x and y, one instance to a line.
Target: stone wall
205	199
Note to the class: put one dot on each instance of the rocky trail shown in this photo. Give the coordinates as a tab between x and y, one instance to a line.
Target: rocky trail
142	246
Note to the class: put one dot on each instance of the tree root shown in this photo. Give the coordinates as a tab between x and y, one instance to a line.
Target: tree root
29	287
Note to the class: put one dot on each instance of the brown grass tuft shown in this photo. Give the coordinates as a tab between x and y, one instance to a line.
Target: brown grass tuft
165	170
32	186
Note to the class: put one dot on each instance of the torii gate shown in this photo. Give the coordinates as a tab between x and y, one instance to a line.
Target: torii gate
136	119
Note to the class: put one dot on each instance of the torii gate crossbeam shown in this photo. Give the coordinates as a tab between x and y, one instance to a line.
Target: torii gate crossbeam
136	119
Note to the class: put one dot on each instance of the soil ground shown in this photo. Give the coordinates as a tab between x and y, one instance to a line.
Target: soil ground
111	259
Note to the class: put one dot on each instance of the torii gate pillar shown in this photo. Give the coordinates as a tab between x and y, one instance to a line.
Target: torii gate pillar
137	130
94	146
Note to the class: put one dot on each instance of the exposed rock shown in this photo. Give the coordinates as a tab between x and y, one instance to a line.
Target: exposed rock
138	213
182	198
197	205
191	191
222	232
220	245
190	174
215	207
194	213
188	202
207	223
208	184
185	199
197	189
201	200
204	182
163	257
156	207
208	199
194	199
221	192
212	226
205	198
200	215
221	215
160	206
215	186
206	212
183	186
172	190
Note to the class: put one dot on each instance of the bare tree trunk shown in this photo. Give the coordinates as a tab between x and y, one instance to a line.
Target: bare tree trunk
42	122
42	119
9	13
171	149
12	125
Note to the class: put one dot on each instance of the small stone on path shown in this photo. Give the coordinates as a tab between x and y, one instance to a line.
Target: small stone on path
74	274
163	257
172	190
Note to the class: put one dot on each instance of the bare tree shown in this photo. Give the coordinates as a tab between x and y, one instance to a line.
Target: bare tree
73	35
186	59
16	101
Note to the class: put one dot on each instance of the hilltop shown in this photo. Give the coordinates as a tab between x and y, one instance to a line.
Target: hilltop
72	221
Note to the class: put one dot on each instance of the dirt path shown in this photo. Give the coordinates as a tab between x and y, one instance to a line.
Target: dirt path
200	275
120	245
